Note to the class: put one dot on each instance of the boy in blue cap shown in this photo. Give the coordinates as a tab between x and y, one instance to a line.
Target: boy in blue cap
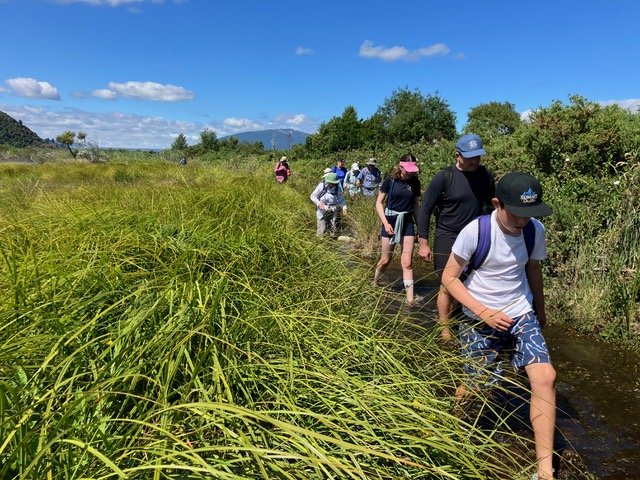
503	303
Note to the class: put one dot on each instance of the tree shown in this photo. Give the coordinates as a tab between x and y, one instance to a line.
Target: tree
208	140
180	143
582	137
67	139
408	116
493	119
373	131
338	134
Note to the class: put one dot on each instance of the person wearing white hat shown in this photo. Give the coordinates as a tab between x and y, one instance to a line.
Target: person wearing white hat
351	178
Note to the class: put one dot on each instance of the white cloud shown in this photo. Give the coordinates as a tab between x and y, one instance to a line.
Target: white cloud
144	91
240	124
526	115
304	51
32	88
631	104
116	129
391	54
105	94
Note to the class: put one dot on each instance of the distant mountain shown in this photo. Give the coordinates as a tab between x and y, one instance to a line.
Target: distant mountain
14	133
279	139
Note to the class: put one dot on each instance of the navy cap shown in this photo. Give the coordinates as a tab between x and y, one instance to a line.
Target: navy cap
521	194
470	146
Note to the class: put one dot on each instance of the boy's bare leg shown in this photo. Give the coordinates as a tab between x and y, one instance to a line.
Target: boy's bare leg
444	304
542	377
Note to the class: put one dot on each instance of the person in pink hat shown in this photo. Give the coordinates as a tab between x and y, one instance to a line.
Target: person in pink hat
396	205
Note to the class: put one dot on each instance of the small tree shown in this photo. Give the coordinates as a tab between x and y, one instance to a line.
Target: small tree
208	140
493	119
180	143
67	139
409	116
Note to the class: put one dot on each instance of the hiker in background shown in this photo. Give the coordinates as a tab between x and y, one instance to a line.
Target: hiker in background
328	198
282	170
503	302
350	180
183	161
340	170
456	195
396	205
369	178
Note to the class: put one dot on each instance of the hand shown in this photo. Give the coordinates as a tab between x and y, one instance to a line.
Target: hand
425	253
388	228
496	319
322	206
344	210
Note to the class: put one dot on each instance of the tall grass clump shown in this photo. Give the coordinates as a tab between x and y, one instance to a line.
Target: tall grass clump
595	237
187	323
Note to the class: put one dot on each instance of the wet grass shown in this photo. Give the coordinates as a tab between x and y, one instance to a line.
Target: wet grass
165	322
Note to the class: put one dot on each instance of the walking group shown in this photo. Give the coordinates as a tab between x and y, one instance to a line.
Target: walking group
486	251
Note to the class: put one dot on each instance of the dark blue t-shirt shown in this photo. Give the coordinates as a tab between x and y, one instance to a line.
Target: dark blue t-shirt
401	194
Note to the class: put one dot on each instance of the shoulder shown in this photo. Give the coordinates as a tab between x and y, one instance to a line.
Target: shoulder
438	177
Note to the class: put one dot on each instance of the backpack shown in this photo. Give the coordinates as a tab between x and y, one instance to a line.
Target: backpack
484	243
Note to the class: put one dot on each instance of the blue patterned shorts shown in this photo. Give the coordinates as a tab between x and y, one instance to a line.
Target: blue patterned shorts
484	348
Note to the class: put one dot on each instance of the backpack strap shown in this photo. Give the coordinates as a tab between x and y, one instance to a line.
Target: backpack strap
448	174
482	249
484	244
529	232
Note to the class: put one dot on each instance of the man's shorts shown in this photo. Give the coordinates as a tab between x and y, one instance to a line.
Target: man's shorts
441	251
483	347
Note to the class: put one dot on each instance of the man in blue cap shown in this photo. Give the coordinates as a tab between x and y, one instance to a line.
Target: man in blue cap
456	195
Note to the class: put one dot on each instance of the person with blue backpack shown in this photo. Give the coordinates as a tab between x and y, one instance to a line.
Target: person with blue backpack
396	205
494	271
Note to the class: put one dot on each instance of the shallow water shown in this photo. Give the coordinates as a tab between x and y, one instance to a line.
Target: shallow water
598	389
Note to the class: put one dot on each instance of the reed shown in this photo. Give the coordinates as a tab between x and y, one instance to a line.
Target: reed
166	322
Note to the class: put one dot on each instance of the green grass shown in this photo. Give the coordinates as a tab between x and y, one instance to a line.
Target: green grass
165	322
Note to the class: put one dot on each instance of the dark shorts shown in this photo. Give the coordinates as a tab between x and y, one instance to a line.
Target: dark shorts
484	348
407	229
441	251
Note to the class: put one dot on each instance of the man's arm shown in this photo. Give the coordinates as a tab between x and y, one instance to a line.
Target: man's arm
536	284
429	202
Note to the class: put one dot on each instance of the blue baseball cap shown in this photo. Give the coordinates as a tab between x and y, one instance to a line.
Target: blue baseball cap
470	146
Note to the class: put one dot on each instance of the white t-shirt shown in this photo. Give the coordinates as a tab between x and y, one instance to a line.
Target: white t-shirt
501	281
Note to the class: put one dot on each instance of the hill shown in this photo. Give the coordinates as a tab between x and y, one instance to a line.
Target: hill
14	133
278	139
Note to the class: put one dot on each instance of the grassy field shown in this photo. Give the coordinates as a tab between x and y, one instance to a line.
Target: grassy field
165	322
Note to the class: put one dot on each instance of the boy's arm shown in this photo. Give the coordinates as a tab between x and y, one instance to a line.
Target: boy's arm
534	276
451	281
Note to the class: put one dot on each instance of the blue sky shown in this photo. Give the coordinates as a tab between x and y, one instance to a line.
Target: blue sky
136	73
